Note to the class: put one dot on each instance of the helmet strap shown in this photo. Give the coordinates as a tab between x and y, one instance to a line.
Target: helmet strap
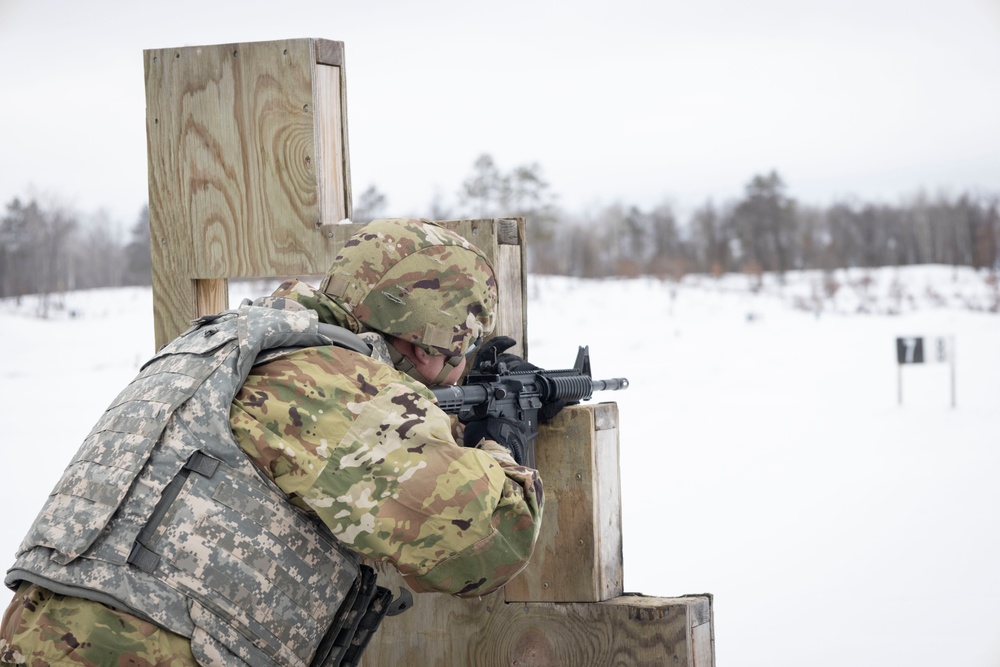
404	364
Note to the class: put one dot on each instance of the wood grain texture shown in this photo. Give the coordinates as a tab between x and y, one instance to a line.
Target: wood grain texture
334	182
234	164
581	522
607	516
630	630
329	52
212	295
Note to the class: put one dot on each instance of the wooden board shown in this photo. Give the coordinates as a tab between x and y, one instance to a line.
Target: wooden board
631	630
247	151
577	456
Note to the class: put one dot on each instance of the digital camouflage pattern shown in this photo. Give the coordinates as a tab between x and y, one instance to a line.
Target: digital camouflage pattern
229	562
417	281
294	295
58	630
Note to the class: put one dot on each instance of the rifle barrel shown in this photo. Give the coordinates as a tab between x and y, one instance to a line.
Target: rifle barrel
614	384
453	399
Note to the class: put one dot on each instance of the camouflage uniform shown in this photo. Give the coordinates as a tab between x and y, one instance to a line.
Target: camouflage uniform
360	446
41	628
396	487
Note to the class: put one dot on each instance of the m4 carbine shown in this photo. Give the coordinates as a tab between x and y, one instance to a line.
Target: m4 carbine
493	391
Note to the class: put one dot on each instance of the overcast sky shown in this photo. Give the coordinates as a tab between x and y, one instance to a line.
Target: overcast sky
634	101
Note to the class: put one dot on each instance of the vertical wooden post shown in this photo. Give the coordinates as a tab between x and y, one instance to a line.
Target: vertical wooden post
249	177
578	556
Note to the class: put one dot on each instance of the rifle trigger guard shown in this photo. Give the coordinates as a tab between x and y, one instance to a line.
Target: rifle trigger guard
400	604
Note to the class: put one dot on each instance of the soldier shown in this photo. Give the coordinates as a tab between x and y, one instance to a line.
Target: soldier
220	511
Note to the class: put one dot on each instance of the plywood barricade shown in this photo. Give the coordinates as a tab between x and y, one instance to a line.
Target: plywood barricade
567	607
249	177
248	168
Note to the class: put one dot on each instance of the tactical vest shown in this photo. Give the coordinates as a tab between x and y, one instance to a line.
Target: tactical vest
161	514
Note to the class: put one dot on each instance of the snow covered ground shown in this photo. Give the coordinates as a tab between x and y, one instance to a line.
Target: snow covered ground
765	457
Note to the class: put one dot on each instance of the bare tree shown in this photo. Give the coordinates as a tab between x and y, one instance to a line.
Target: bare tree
138	261
34	250
438	209
98	257
523	192
370	205
17	247
486	191
710	239
765	223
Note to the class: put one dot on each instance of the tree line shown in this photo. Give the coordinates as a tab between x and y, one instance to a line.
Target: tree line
46	248
764	230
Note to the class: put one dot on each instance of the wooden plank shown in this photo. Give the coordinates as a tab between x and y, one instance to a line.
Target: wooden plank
235	137
329	52
330	99
607	513
703	644
510	265
175	301
577	457
489	632
237	165
334	183
212	295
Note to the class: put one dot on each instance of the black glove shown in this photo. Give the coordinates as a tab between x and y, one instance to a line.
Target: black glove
491	351
511	433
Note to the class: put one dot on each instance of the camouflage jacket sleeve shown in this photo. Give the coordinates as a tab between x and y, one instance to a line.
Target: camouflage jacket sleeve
365	448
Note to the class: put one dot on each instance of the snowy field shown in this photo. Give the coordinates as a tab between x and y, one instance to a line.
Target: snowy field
765	457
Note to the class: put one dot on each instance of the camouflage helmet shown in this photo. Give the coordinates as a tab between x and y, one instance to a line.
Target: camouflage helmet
417	281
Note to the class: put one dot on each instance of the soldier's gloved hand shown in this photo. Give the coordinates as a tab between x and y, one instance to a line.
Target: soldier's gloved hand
498	452
493	349
513	434
516	364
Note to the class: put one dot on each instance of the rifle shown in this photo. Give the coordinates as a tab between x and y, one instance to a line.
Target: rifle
492	390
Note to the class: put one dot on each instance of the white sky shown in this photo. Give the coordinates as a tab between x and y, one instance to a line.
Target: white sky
638	101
